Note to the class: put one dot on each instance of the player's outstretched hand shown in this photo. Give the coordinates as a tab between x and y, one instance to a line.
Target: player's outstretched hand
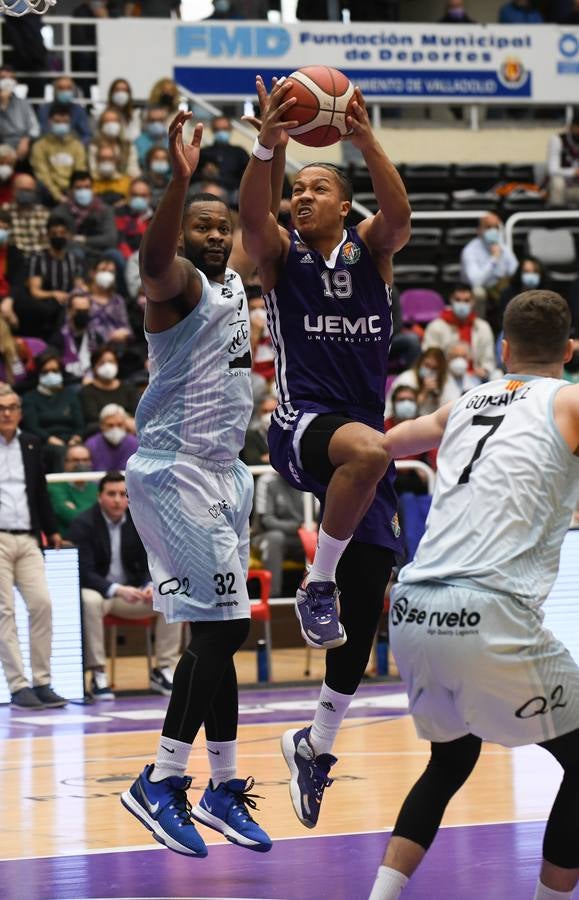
184	157
274	109
263	98
359	125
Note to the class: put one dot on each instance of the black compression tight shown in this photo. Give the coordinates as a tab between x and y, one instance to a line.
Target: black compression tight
449	767
561	841
362	576
205	683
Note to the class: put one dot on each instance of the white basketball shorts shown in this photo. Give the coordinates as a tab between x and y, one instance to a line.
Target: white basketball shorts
481	663
193	518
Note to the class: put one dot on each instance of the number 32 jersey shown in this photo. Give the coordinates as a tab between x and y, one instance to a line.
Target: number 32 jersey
506	487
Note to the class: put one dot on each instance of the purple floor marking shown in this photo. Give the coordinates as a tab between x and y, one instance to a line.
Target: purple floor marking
481	862
256	707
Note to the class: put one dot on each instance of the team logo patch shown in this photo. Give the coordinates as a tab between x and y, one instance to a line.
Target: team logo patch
395	525
351	253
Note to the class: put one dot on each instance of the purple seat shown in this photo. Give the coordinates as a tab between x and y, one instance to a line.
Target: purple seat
420	305
35	345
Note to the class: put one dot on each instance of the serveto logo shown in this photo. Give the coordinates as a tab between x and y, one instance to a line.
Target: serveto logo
351	253
569	50
398	611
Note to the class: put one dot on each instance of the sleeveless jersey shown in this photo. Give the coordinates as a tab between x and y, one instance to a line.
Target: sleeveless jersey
506	487
331	324
199	397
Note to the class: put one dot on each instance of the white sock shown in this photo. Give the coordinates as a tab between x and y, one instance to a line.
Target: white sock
222	759
545	893
327	556
331	709
172	759
389	884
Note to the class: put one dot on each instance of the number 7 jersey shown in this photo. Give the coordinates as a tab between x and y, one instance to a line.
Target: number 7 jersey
506	487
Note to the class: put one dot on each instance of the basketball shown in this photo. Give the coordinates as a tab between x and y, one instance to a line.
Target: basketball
324	99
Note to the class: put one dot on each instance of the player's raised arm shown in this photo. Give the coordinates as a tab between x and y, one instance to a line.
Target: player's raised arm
262	238
418	435
389	230
164	274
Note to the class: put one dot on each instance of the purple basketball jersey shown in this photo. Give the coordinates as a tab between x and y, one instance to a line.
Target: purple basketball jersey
331	324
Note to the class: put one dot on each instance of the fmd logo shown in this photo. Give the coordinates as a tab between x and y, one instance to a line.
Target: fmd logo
569	50
232	40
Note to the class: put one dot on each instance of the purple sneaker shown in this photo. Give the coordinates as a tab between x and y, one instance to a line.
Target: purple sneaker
318	611
309	774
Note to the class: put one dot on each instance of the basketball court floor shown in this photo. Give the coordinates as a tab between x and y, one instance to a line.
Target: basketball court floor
64	833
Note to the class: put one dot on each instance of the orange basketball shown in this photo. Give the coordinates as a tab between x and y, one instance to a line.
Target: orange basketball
324	99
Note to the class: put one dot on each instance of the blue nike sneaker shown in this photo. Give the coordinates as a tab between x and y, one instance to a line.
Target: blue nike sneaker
309	774
163	808
225	809
318	611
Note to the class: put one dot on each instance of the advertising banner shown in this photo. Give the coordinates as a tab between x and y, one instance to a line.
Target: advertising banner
390	62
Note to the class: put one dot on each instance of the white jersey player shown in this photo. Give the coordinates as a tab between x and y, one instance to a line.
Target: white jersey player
190	498
465	620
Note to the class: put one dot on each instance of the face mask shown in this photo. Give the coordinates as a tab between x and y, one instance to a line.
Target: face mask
492	236
6	172
105	279
83	196
107	371
107	169
4	233
65	96
160	166
405	409
25	197
155	129
221	137
138	204
80	318
458	366
60	129
121	98
111	129
530	279
461	308
58	242
80	466
51	380
115	435
265	421
7	85
427	372
166	99
456	13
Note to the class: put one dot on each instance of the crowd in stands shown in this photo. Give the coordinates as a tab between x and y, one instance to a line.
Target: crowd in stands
77	193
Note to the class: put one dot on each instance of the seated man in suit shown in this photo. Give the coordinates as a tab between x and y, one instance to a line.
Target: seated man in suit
115	579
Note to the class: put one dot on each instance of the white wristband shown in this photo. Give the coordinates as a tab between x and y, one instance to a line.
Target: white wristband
261	152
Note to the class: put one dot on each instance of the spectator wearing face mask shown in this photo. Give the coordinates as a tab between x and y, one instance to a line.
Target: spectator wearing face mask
120	98
428	376
65	92
18	123
113	445
28	217
109	131
53	274
108	319
132	218
487	263
459	321
165	94
56	155
519	12
7	164
404	400
106	387
72	339
154	132
52	410
530	276
156	172
109	184
230	160
460	367
94	231
456	14
70	498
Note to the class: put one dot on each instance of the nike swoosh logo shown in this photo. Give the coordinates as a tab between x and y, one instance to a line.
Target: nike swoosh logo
215	752
152	807
168	749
